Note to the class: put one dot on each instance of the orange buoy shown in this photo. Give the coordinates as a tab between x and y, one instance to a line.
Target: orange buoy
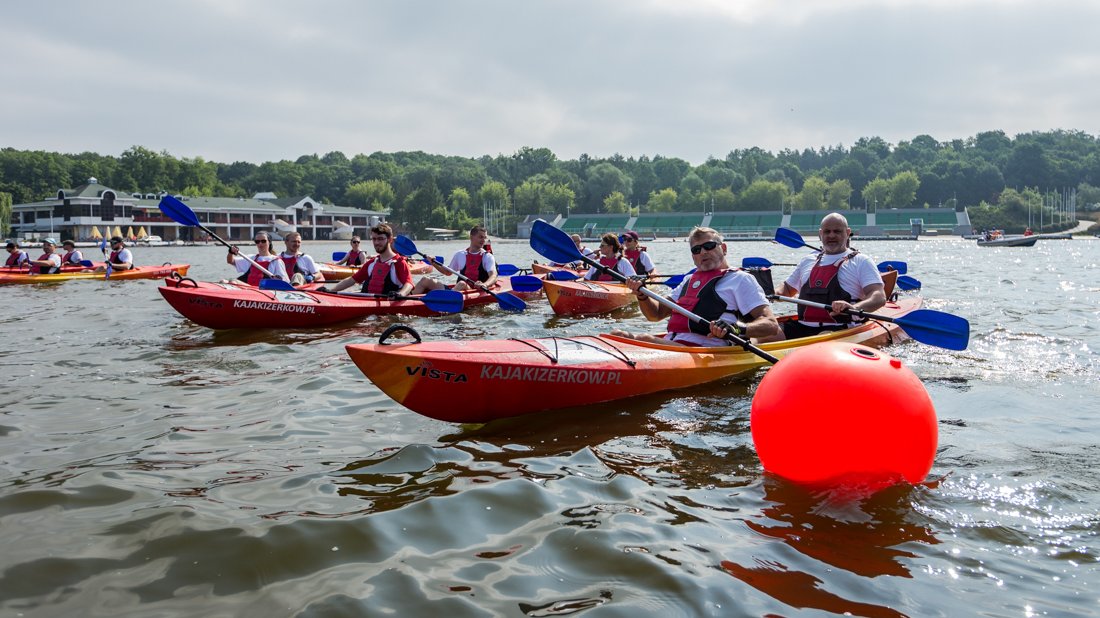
841	414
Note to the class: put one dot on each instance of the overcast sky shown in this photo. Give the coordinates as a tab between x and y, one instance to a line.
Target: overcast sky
264	80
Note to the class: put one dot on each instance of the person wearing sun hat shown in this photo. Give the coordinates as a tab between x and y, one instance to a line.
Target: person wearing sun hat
49	262
71	257
120	257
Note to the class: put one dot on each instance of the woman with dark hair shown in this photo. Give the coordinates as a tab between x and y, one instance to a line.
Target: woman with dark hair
611	256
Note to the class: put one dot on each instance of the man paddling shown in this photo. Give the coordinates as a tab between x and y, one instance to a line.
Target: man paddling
120	257
475	262
49	262
838	276
724	296
385	273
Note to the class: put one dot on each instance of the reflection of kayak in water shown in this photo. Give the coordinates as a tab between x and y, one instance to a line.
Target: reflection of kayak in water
508	377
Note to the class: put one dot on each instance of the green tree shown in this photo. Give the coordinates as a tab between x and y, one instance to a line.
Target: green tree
876	193
370	195
491	194
557	198
5	214
603	180
460	199
903	190
763	195
840	191
812	196
616	202
662	201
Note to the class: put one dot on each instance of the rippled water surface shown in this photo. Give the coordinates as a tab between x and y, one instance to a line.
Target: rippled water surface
150	466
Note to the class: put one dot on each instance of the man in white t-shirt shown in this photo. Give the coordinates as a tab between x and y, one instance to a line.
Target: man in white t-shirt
477	264
49	262
120	257
838	276
714	292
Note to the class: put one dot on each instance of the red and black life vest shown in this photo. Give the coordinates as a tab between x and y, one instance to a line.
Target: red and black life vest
634	256
380	281
45	270
700	297
823	286
611	263
68	258
291	264
16	259
355	258
474	269
253	276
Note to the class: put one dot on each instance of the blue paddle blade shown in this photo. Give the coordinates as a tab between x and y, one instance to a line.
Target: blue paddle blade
506	270
275	284
509	302
755	262
553	244
675	280
404	245
339	255
889	265
87	263
906	282
439	258
936	328
178	211
526	283
443	301
790	238
562	275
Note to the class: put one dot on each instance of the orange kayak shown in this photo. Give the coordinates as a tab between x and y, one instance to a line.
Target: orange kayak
542	269
479	381
139	272
586	297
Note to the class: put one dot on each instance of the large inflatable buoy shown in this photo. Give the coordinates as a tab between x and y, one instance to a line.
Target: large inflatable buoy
844	414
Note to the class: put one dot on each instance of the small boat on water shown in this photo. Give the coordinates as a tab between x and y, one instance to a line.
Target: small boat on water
1009	241
138	272
231	305
479	381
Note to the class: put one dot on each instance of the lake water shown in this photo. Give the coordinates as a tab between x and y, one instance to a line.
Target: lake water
152	467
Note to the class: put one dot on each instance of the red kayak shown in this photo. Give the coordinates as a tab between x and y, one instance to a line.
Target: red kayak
230	305
478	381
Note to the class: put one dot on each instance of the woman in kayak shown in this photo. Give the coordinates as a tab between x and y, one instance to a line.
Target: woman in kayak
386	273
354	256
723	296
611	257
636	254
264	257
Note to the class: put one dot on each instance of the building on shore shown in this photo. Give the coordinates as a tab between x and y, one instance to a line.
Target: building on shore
91	210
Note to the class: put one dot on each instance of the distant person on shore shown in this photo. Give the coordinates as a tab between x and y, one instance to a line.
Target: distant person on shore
843	278
49	262
385	273
264	257
17	258
120	257
354	257
725	297
301	267
474	261
72	256
636	254
610	256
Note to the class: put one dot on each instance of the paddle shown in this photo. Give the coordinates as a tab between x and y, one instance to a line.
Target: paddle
791	238
440	301
339	255
506	270
180	213
106	259
929	326
906	282
405	246
556	246
562	275
889	265
87	263
276	284
526	283
759	262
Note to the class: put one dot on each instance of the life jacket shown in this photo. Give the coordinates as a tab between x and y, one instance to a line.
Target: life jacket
16	259
68	258
253	276
380	281
45	270
355	258
291	264
701	298
114	257
823	286
473	268
634	256
610	262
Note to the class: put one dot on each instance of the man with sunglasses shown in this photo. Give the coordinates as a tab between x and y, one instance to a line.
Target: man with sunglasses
386	273
838	276
727	298
264	257
120	257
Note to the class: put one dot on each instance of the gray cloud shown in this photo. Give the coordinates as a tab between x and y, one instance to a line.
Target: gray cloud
264	80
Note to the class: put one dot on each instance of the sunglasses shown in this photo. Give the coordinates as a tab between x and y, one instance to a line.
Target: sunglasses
707	246
260	242
355	242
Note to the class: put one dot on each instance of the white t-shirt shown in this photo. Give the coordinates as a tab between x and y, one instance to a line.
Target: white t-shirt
646	263
488	262
270	262
857	273
54	259
124	257
739	290
623	266
76	257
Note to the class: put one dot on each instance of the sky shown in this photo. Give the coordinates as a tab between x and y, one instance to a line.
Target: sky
267	80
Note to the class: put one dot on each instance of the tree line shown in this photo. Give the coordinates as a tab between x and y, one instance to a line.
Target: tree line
421	189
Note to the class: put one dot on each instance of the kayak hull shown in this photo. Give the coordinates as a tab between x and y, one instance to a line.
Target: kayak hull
480	381
586	297
140	272
228	305
545	269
